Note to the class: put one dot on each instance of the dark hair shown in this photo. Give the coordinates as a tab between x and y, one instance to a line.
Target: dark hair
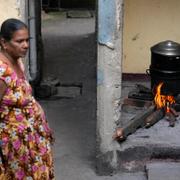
9	26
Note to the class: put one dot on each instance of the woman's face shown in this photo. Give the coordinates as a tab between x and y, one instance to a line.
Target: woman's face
18	45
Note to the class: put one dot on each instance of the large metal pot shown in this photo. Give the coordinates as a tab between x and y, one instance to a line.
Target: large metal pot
165	66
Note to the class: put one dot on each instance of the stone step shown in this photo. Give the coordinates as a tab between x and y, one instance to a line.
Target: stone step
163	171
67	92
79	14
160	141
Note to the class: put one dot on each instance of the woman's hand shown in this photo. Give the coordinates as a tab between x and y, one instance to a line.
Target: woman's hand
118	135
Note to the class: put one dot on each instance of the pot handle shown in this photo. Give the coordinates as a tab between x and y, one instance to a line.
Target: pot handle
148	72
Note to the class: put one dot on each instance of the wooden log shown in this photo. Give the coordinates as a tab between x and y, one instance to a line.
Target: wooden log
137	102
154	117
134	94
143	89
171	118
136	122
174	112
176	107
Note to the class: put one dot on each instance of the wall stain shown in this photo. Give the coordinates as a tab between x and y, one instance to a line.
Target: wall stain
17	4
135	37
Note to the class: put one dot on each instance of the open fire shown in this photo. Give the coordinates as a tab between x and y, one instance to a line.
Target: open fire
166	103
160	107
163	100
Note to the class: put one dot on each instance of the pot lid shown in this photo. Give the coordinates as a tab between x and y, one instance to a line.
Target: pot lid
167	48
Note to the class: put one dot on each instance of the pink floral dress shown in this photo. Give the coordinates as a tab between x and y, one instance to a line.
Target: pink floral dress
25	137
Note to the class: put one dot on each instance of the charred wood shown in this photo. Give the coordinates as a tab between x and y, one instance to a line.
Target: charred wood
140	95
177	99
171	118
143	89
174	112
137	122
137	102
154	117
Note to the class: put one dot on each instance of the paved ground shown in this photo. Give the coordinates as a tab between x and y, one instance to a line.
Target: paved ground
69	45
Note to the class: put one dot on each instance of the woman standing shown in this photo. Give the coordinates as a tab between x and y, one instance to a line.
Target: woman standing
25	137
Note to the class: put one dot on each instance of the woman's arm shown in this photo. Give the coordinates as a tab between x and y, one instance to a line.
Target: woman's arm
3	87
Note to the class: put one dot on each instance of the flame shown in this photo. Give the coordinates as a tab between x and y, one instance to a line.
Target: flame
162	100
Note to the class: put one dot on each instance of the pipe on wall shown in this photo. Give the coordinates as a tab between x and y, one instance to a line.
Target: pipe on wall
33	70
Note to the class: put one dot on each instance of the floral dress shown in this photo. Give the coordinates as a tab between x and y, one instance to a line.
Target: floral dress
25	137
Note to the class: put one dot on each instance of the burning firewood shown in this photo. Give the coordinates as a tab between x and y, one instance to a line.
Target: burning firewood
166	102
154	117
170	113
174	112
171	118
176	107
163	106
135	123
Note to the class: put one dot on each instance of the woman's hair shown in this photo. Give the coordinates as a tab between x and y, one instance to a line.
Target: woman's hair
9	26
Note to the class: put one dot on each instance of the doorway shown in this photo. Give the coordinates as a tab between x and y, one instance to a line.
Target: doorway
69	44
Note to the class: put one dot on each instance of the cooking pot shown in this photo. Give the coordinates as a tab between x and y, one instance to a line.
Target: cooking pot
165	66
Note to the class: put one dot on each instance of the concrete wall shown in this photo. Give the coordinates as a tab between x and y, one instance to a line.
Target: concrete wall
109	81
147	22
12	9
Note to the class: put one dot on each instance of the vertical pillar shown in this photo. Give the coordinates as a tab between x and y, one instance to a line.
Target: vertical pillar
109	56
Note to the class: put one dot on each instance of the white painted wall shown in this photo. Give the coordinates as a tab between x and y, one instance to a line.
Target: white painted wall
12	9
147	22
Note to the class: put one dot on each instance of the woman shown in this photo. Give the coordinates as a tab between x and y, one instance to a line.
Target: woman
25	137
